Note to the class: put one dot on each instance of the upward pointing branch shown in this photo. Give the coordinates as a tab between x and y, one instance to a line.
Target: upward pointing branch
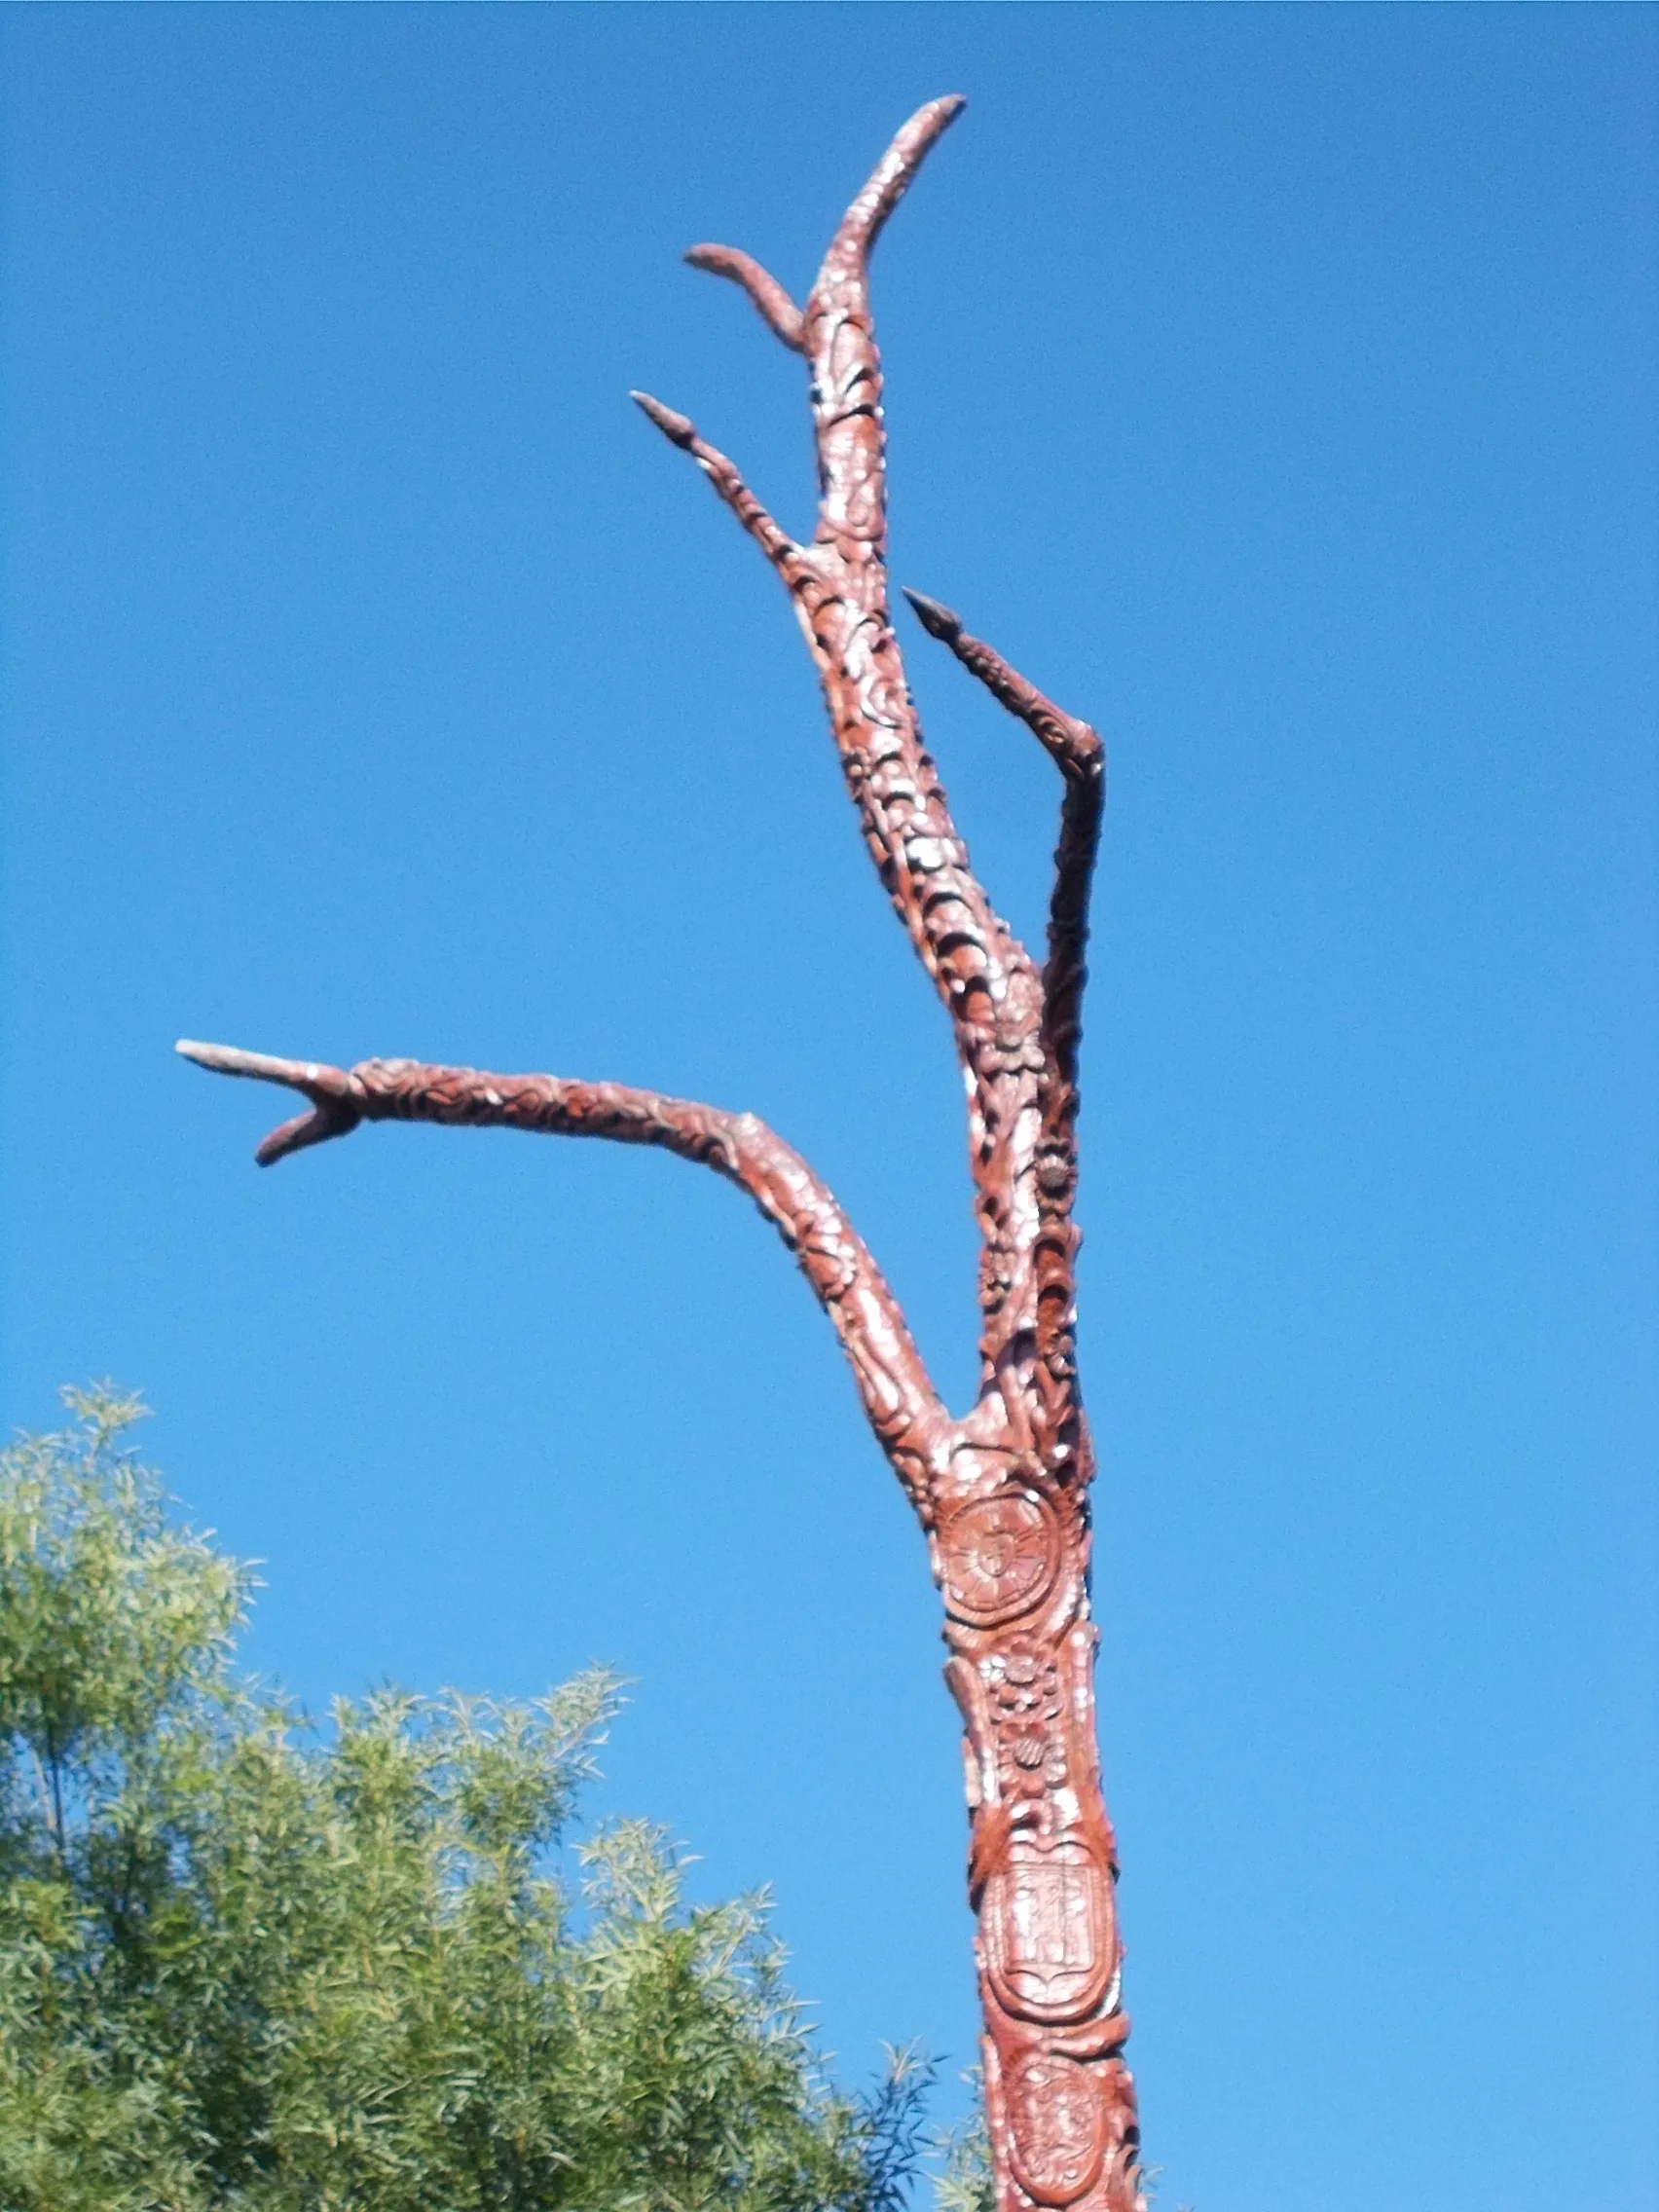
1076	750
891	179
779	548
1081	757
838	586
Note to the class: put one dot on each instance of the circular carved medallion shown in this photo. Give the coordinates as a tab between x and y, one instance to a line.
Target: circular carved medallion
1059	2126
1000	1555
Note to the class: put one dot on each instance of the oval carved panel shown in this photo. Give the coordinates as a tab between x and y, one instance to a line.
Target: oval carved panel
1058	2123
1051	1948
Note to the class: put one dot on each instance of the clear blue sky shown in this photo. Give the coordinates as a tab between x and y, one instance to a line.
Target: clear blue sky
1275	387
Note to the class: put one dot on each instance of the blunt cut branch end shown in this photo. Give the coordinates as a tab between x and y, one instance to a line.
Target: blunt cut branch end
771	301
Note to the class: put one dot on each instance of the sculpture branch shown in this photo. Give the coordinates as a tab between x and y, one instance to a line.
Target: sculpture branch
776	309
892	176
1004	1493
1073	746
900	1402
779	548
838	586
1076	749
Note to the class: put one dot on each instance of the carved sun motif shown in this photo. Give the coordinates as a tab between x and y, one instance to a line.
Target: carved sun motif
1000	1555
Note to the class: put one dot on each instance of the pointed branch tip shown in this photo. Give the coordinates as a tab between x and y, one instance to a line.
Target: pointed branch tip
230	1059
932	118
937	620
892	177
677	429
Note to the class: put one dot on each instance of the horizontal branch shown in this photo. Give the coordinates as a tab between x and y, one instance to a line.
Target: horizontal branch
899	1401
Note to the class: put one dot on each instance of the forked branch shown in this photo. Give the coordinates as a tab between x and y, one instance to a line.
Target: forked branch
900	1402
1015	1031
1077	751
838	585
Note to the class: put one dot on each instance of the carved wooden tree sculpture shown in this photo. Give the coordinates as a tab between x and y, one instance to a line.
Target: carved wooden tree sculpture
1002	1493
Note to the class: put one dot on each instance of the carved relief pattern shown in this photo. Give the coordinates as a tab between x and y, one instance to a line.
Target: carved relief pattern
1003	1490
1041	1859
1001	1553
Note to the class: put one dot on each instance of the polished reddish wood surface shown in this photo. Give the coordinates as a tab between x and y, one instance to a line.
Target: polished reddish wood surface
1002	1491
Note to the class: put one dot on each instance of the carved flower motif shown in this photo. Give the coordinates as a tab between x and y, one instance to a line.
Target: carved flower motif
1023	1681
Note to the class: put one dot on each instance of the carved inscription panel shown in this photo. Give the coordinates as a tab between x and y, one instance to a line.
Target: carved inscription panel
1048	1929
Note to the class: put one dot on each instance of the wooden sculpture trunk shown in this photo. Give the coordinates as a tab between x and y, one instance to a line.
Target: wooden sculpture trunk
1002	1491
1011	1552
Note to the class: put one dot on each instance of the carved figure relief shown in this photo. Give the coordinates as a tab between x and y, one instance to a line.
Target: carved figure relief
1002	1489
1059	2128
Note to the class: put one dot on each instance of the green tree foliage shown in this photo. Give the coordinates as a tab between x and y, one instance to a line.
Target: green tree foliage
965	2182
248	1964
